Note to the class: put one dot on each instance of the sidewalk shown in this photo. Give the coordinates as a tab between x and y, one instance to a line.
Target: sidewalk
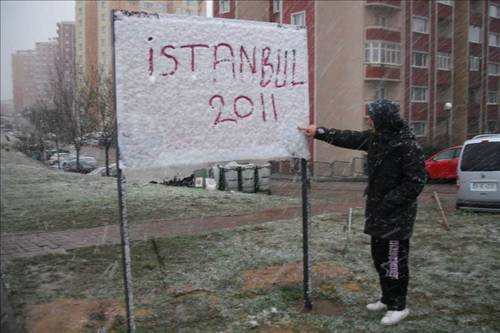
37	244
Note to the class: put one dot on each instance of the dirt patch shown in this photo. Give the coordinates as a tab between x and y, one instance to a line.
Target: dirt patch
290	273
289	328
73	315
321	307
353	286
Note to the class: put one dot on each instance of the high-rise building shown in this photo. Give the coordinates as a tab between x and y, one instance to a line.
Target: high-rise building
93	27
426	55
23	83
66	50
45	69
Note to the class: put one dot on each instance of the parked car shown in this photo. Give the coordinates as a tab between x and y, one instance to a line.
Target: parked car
443	164
86	164
478	179
62	158
101	171
49	153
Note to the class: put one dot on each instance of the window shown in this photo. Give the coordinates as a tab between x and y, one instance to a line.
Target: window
492	97
445	2
276	6
494	39
299	19
148	5
381	20
494	11
445	155
419	59
493	69
223	6
419	128
377	52
419	24
471	162
419	94
474	63
474	34
444	61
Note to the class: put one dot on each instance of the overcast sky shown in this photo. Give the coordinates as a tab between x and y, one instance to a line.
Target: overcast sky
22	24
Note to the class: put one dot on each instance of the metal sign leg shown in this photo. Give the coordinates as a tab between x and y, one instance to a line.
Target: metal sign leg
126	259
306	209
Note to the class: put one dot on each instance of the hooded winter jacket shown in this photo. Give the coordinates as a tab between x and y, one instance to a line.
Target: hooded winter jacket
396	170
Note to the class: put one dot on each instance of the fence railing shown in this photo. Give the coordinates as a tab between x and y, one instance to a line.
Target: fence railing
336	169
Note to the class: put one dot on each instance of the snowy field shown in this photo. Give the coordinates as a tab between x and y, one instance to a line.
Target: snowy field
38	198
242	280
249	279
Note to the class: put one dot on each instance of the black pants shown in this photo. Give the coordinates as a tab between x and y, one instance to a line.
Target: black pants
390	258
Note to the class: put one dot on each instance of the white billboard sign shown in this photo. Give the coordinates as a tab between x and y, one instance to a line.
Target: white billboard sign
194	90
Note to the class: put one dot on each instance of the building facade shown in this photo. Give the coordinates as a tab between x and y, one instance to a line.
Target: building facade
93	27
45	70
426	55
66	51
23	83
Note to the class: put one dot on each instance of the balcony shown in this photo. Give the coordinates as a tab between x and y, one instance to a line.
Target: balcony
493	82
418	111
444	11
443	78
393	4
444	44
382	72
388	34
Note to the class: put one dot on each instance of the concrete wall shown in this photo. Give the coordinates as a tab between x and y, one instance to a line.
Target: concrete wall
253	10
339	69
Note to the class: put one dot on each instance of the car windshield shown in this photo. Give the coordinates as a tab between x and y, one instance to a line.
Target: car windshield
483	156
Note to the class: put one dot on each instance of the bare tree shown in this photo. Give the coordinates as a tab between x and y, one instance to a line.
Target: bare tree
82	120
34	142
49	123
106	114
75	104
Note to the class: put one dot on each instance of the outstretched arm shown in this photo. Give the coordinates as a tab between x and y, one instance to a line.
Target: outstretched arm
341	138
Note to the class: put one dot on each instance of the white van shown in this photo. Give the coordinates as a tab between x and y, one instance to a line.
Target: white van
478	179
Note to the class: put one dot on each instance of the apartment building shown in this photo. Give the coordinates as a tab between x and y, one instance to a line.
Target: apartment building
422	54
45	69
32	71
66	50
93	27
23	85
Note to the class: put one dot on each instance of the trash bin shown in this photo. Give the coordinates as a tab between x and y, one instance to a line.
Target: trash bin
230	178
236	177
247	178
263	178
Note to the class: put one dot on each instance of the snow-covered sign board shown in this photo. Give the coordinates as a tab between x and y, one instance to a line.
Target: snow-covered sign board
194	90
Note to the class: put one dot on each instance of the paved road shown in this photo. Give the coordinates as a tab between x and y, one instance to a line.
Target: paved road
327	197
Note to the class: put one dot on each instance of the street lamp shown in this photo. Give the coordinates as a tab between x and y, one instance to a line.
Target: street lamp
447	107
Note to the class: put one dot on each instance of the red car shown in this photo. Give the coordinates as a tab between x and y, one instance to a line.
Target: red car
443	164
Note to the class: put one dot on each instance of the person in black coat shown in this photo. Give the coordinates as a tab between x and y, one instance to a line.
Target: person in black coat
396	176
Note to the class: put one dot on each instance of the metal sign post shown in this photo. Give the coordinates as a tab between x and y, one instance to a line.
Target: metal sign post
306	210
122	202
126	260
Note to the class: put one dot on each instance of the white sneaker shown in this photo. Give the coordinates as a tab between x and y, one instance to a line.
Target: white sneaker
394	317
377	306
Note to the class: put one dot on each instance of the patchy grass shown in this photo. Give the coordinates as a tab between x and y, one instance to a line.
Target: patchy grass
248	279
37	198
